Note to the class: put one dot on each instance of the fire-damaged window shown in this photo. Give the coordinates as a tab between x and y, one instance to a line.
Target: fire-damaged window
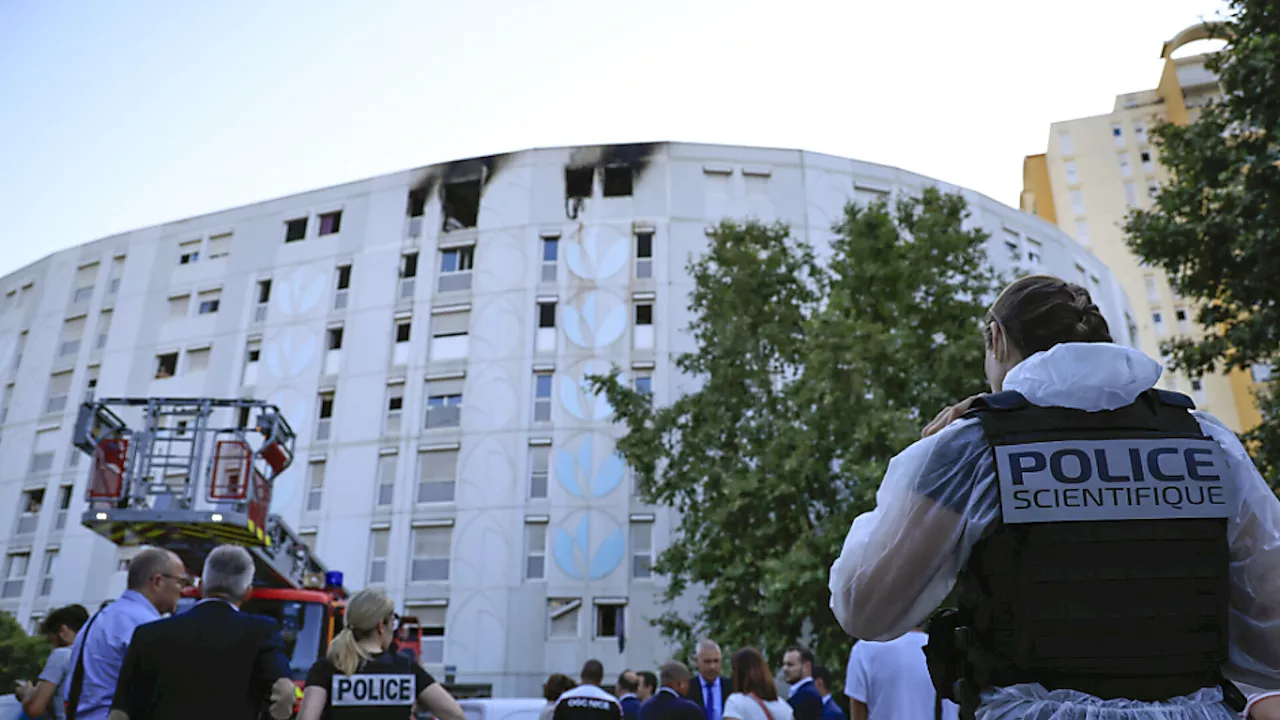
617	180
461	204
577	182
417	203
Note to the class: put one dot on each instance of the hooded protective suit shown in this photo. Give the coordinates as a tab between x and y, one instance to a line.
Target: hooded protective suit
900	561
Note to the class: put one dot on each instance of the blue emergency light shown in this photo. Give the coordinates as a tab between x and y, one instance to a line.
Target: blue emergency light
333	578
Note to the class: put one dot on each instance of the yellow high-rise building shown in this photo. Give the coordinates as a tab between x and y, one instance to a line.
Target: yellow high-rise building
1097	168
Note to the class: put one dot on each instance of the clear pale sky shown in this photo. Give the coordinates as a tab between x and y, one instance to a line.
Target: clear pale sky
120	115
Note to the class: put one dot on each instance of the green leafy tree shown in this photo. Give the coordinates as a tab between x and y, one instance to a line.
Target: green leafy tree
1215	227
21	656
812	376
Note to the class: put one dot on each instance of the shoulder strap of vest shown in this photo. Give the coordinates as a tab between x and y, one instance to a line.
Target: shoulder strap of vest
1008	417
1007	400
1175	399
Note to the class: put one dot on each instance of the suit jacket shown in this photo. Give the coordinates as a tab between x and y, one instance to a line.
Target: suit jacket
630	707
831	711
669	706
695	693
806	702
211	661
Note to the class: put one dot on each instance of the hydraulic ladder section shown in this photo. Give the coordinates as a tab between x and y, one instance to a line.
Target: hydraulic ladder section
193	474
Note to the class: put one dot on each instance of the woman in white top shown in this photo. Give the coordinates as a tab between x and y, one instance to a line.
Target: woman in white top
754	697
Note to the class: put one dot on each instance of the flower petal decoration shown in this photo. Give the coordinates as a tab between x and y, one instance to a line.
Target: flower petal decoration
612	260
573	326
608	556
569	397
609	476
611	327
567	473
562	549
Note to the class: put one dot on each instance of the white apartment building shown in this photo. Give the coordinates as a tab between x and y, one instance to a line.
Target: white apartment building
427	333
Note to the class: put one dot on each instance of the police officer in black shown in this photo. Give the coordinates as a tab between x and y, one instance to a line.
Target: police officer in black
361	679
588	701
1109	553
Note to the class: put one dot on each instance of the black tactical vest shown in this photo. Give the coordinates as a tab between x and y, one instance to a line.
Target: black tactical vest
383	688
1108	570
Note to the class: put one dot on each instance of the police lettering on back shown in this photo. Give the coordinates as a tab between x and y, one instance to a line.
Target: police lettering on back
1120	479
373	690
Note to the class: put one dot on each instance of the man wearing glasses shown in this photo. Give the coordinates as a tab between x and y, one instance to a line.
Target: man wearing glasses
156	580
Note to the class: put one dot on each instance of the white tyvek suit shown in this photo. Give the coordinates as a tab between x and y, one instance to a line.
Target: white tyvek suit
900	560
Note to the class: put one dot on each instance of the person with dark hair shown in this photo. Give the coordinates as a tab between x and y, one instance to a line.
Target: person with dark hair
1113	554
625	689
648	685
822	681
669	702
797	670
754	696
555	686
588	701
60	629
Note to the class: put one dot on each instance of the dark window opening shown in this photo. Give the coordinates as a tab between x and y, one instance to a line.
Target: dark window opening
417	203
409	265
461	204
330	223
607	620
254	355
166	365
550	249
295	230
1181	315
395	403
344	277
335	338
644	314
617	180
644	245
402	332
546	315
326	407
244	417
577	182
64	498
1146	156
264	291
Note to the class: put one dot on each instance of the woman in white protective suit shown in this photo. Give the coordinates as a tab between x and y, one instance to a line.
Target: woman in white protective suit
1114	555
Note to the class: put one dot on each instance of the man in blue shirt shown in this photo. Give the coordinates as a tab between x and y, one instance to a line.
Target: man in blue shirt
797	670
822	681
156	579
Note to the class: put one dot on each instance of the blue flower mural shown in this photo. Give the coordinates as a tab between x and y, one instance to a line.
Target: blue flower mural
578	474
576	396
601	254
573	555
598	323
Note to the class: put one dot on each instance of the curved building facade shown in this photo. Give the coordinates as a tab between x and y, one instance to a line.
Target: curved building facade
427	333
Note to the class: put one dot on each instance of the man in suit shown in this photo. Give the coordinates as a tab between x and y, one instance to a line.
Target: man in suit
625	689
708	689
797	670
667	703
822	680
648	685
212	661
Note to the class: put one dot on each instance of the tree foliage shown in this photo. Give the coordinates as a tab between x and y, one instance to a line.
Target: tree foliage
810	376
1215	226
21	656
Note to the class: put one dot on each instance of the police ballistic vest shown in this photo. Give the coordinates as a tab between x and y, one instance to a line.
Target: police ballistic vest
1108	570
383	688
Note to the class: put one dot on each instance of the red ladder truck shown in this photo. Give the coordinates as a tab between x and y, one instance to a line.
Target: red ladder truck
195	473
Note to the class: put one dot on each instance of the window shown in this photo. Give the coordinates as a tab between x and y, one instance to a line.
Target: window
437	475
461	204
264	298
618	180
386	479
1130	193
642	382
1140	132
42	462
449	339
104	329
1148	166
539	462
29	514
609	619
72	331
400	350
1073	174
86	275
644	254
252	354
178	306
417	204
432	618
324	416
219	246
309	537
1077	202
545	336
578	182
1153	290
542	397
1035	252
166	365
50	562
643	333
535	540
455	269
188	252
395	408
1082	232
1125	168
198	359
1184	323
209	301
379	540
550	258
315	484
408	271
1197	390
64	505
333	338
431	549
295	230
1158	320
1064	142
117	272
342	286
1153	190
641	548
444	403
330	222
562	617
1117	133
14	573
8	403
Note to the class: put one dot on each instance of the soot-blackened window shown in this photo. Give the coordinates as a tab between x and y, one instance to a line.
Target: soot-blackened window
577	182
461	204
617	180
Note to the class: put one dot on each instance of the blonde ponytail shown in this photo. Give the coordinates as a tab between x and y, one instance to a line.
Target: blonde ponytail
365	611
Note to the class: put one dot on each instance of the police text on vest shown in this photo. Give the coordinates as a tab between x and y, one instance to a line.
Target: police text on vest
373	690
1119	479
